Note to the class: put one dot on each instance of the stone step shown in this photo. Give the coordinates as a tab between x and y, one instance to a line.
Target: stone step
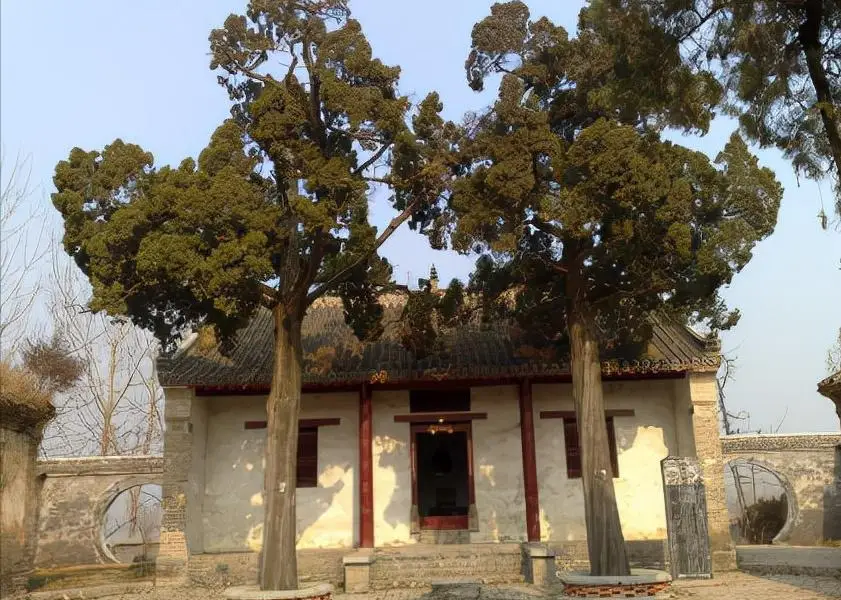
466	588
443	536
419	565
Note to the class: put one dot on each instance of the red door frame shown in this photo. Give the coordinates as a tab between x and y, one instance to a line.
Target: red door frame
454	522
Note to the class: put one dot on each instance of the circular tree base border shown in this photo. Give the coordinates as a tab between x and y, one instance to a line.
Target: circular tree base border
317	591
641	583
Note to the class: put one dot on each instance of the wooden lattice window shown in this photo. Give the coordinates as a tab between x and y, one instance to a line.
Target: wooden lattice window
308	457
573	450
307	463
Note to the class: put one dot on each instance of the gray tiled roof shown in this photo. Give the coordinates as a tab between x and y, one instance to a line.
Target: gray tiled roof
333	355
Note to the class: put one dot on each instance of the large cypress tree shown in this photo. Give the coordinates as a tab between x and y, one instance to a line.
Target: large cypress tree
780	63
587	220
274	212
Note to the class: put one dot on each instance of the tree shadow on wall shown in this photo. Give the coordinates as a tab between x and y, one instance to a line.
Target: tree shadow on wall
394	457
322	499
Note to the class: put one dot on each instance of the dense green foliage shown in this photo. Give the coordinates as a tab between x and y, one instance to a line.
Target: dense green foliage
279	195
779	61
566	173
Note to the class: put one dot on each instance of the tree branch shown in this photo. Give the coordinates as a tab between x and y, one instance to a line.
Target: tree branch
344	273
374	158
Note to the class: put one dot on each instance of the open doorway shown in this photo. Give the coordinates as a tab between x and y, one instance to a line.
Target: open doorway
441	456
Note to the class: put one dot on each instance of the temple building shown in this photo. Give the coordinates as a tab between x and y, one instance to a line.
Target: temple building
472	445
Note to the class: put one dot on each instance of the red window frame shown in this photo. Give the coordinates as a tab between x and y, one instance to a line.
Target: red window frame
573	449
306	467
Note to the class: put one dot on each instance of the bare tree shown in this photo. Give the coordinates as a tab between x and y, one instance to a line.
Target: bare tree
99	371
726	374
23	244
833	356
114	408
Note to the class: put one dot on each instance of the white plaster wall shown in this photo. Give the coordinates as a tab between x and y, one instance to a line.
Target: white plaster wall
392	469
498	465
642	442
684	432
196	477
233	513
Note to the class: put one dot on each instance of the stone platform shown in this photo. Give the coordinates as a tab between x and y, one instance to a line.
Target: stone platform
641	583
321	591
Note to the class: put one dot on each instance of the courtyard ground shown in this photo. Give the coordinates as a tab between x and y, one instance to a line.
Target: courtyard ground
730	586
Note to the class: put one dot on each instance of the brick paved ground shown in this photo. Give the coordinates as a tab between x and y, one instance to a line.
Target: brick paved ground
740	586
732	586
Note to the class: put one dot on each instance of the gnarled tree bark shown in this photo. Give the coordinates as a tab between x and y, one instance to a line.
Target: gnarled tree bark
279	565
605	542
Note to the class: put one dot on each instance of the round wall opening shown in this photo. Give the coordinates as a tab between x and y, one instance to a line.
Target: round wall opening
131	527
760	502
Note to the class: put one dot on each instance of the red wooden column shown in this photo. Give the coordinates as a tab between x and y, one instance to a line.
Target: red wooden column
366	469
529	462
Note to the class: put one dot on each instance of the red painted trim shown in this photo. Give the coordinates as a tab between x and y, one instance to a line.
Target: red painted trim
413	456
302	423
414	384
471	485
443	417
366	469
448	523
464	523
570	414
529	463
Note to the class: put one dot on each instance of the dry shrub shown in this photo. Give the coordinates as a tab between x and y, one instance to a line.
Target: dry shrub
53	364
23	399
764	519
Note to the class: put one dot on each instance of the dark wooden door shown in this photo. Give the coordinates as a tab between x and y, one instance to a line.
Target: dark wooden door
458	519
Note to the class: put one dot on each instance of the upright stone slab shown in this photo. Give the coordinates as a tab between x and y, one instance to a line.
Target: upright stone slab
686	518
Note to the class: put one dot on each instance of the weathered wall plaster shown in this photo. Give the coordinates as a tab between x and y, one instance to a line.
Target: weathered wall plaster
392	470
498	465
232	511
642	442
327	516
18	505
684	432
809	466
75	496
196	478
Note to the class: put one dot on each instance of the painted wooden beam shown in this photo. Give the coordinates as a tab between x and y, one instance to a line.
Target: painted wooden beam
366	469
353	385
302	423
440	417
570	414
529	462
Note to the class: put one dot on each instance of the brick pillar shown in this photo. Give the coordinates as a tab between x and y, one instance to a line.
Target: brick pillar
173	554
703	393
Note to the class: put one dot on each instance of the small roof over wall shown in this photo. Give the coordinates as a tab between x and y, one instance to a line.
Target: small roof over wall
334	356
831	388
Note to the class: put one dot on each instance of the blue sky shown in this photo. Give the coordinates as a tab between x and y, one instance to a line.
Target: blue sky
85	72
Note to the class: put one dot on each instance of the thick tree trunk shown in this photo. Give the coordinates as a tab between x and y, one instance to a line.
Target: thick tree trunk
605	543
809	36
279	567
